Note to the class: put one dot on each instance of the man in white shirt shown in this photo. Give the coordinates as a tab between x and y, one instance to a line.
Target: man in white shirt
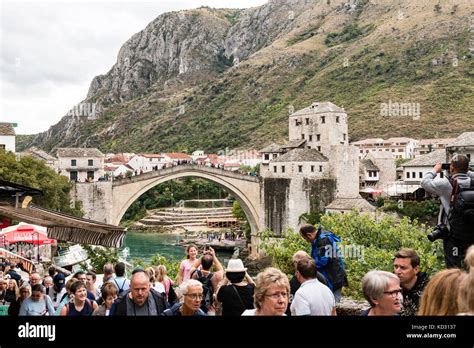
312	298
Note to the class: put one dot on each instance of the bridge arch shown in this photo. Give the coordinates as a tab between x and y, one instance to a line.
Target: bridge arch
246	190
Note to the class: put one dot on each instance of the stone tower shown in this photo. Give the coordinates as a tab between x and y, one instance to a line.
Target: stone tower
321	125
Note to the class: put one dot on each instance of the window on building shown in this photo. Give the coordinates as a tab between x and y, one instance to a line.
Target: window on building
282	169
370	174
302	136
337	119
275	155
73	176
393	150
2	147
318	137
361	151
274	169
91	162
420	175
307	121
323	119
312	169
73	163
400	150
413	175
300	169
90	175
408	175
319	148
344	136
267	157
310	138
320	168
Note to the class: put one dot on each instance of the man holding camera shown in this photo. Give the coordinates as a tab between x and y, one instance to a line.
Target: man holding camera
456	218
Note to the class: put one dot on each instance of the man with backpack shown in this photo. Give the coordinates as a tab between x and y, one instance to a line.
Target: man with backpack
121	283
456	218
325	252
208	279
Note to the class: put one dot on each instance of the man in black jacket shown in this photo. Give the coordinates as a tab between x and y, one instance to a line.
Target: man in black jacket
406	266
140	300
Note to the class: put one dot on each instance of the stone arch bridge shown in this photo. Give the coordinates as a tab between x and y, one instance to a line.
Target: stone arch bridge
108	201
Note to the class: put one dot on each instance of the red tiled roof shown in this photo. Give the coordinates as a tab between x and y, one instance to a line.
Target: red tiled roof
6	129
151	155
178	155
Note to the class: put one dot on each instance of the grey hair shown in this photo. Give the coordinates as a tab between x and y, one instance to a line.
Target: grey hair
374	284
184	287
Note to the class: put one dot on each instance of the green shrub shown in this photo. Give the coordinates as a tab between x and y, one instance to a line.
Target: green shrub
377	239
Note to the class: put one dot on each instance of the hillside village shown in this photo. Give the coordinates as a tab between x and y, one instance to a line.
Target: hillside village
312	131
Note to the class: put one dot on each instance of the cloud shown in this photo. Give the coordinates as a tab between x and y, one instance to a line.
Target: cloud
50	51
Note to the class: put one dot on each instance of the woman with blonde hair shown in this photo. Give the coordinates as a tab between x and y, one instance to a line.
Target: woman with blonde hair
161	277
466	295
440	296
25	292
12	296
155	284
469	259
271	293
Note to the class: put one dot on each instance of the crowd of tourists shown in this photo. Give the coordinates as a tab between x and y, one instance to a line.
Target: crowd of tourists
204	287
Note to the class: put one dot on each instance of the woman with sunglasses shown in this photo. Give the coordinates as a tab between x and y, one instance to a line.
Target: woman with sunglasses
382	290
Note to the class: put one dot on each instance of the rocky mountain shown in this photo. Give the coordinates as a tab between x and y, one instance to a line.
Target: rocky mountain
215	78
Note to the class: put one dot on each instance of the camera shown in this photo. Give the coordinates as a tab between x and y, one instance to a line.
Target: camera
439	232
446	166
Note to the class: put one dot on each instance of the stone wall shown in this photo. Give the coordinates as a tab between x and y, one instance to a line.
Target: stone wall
321	192
275	195
344	164
96	199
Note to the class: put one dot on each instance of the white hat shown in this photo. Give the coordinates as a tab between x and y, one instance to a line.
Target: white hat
235	265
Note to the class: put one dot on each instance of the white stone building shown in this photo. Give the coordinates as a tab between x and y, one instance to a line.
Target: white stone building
425	146
316	167
398	147
146	162
415	170
308	163
172	158
80	164
7	137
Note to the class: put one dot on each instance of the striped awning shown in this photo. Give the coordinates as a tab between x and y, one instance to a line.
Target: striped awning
67	228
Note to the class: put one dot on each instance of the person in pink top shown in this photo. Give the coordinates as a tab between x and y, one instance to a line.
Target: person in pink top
186	265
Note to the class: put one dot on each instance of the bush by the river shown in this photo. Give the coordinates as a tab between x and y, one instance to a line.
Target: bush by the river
368	242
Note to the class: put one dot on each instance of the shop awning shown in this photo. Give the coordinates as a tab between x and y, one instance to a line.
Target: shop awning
67	228
399	189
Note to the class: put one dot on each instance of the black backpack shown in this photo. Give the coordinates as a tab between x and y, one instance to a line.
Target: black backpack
461	215
207	290
120	289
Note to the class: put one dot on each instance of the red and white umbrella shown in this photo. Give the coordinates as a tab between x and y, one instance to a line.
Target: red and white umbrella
26	233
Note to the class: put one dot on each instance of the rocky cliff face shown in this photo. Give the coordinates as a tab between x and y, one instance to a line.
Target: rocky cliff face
192	41
212	78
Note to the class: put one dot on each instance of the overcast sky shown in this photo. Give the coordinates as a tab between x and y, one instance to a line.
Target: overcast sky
50	51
